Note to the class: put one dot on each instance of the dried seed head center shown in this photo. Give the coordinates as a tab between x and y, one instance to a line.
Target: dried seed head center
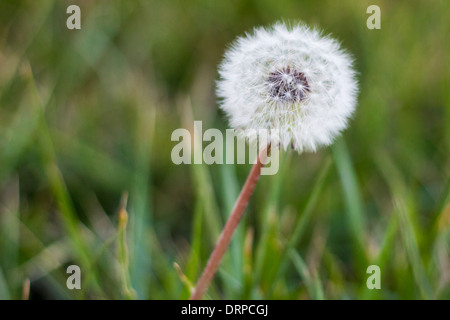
288	85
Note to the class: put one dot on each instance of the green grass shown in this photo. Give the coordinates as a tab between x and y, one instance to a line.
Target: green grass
86	117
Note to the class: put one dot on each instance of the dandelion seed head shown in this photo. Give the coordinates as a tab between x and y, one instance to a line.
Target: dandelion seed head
291	79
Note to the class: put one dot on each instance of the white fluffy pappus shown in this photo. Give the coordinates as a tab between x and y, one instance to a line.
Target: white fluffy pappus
291	79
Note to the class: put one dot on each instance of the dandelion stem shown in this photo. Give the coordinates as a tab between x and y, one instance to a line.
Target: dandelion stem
230	226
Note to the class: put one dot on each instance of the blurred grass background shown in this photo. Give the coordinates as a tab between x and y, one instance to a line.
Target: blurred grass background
86	118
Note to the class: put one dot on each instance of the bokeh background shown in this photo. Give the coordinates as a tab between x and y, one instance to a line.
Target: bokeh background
86	118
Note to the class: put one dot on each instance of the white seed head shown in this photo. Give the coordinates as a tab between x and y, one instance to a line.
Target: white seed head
291	79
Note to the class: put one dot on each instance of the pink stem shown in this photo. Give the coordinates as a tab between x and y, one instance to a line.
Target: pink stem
230	227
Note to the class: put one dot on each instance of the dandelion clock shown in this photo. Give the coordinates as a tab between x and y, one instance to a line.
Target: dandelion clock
292	79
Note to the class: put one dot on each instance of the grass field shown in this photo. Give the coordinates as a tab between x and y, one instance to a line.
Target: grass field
86	118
